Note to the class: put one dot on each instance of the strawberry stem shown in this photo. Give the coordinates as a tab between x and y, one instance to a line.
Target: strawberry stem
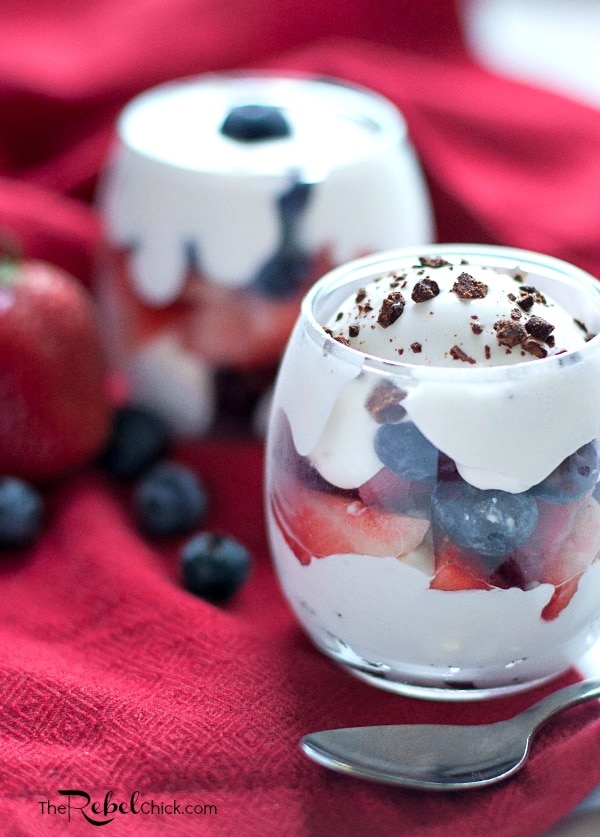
10	258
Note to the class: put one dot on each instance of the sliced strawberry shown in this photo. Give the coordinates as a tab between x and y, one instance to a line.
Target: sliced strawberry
388	490
456	569
567	543
316	524
457	577
563	593
579	548
540	550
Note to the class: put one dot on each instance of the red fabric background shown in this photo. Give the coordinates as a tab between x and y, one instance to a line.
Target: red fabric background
112	678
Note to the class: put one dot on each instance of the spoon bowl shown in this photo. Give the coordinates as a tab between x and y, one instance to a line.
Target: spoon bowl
438	756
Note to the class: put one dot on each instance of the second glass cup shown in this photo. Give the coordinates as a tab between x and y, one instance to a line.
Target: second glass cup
432	466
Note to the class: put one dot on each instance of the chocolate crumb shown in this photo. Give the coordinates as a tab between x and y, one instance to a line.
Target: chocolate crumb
457	354
526	302
391	308
384	403
515	314
476	328
432	261
487	352
424	290
338	338
466	287
353	330
539	328
362	294
534	348
417	348
538	297
509	333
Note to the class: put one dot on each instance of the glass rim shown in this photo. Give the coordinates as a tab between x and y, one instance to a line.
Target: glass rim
488	255
355	101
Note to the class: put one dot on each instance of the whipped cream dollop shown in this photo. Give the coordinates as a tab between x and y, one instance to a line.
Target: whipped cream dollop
443	314
448	325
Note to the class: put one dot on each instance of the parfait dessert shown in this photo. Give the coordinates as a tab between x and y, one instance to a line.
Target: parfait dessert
432	468
226	197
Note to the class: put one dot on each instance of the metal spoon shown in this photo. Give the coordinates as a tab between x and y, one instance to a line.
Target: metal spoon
441	757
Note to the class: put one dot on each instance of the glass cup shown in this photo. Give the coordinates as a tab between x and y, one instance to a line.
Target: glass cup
436	528
225	197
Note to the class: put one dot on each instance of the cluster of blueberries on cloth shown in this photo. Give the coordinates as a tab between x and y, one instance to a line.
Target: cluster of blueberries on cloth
168	499
58	415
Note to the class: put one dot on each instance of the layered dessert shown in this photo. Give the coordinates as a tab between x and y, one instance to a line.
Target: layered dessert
227	196
432	469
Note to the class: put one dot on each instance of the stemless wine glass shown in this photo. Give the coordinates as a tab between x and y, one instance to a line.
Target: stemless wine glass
227	195
470	570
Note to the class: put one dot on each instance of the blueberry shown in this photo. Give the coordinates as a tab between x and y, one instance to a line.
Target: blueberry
405	451
282	273
214	566
292	203
169	500
575	477
21	513
491	523
138	439
252	123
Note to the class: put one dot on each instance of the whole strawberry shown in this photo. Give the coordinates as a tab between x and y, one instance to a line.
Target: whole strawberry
54	410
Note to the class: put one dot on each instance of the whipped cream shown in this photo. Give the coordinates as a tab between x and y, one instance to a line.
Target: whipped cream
490	360
383	612
442	314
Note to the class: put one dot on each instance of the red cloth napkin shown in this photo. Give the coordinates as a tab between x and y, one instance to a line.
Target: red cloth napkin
113	679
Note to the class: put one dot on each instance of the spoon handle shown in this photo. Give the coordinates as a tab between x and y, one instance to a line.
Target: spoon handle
562	699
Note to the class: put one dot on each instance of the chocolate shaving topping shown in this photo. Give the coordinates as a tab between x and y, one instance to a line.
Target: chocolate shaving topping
509	333
417	348
338	338
526	302
384	403
466	287
353	330
425	289
457	354
537	296
476	328
539	328
361	295
533	347
391	308
488	352
432	261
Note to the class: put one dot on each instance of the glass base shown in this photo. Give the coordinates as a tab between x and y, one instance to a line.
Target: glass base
447	693
417	682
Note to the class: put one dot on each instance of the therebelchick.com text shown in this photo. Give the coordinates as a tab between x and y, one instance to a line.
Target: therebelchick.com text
103	811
